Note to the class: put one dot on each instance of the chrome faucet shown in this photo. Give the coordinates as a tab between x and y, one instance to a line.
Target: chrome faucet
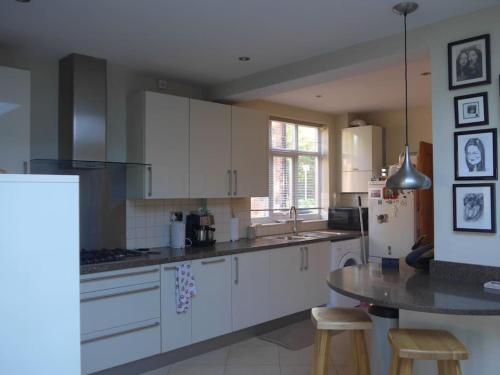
293	212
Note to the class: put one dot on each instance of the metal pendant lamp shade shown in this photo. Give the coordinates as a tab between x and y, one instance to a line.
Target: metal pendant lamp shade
407	177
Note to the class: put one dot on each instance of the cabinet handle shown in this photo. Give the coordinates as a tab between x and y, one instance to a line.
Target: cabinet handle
235	172
236	270
229	182
124	293
25	167
301	258
150	181
170	268
205	262
306	250
131	330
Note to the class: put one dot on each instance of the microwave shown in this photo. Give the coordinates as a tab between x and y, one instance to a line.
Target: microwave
347	218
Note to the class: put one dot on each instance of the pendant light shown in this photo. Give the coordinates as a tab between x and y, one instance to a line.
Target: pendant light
407	177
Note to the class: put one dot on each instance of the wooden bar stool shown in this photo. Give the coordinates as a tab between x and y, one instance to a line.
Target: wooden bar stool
441	346
327	320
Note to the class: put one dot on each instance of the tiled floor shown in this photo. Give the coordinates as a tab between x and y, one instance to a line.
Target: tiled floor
258	357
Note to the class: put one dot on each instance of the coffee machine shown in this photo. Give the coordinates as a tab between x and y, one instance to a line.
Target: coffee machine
200	228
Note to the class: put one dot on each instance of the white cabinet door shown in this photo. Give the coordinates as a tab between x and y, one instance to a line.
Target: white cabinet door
250	289
357	149
15	97
250	152
175	328
317	266
287	281
167	144
209	150
211	315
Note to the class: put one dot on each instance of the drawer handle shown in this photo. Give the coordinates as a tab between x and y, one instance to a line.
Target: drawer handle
118	276
205	262
170	268
131	330
236	270
88	299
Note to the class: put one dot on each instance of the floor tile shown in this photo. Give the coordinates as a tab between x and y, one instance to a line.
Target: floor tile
346	370
160	371
254	341
215	357
253	355
297	357
302	370
196	370
252	370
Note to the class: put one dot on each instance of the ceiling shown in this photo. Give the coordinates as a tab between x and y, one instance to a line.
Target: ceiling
199	41
378	90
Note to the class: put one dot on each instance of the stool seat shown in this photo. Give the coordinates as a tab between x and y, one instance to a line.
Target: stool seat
426	344
340	319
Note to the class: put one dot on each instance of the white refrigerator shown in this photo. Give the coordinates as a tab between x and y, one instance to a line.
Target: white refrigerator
391	222
39	255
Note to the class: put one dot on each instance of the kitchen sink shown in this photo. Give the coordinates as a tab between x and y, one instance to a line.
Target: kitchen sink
293	237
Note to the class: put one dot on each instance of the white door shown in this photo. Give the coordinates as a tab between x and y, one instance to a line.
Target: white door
211	315
166	145
175	328
317	270
209	150
15	97
287	281
250	289
249	152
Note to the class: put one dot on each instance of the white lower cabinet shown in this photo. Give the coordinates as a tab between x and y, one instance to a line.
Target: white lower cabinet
316	272
175	328
120	317
211	307
286	287
250	289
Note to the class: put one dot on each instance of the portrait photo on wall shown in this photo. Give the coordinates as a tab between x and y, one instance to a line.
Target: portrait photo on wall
476	155
471	110
474	208
469	62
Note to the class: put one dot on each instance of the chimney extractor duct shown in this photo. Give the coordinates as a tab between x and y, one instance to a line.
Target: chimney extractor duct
82	108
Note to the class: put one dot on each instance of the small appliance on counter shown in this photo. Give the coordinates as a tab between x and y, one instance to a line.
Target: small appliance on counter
200	228
347	218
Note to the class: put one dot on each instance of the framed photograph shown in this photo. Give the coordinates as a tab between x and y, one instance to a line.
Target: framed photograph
474	208
476	155
469	62
471	110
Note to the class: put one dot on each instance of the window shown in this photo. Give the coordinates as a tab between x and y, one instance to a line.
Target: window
294	172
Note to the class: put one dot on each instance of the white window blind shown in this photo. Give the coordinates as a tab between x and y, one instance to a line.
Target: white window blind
294	171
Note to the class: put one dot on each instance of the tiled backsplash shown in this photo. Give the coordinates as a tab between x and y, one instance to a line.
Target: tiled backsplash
148	221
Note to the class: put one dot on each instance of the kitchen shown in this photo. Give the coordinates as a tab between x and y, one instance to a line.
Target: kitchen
165	153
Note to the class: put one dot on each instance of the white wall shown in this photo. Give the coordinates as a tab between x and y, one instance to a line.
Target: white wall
45	93
459	246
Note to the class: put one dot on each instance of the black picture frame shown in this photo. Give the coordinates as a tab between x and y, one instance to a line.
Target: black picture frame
492	213
458	99
493	157
487	66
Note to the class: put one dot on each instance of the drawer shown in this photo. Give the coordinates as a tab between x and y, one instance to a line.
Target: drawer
116	279
109	308
120	345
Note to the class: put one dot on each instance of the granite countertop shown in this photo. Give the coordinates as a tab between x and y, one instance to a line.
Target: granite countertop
409	289
162	255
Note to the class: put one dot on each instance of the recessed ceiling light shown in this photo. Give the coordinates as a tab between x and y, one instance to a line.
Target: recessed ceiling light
319	96
23	1
425	74
244	58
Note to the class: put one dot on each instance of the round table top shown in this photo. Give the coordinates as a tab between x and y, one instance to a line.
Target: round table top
408	289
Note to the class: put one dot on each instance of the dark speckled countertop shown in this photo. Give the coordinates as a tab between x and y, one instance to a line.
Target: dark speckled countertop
409	289
162	255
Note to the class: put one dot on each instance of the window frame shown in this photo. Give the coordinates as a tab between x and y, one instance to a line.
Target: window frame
294	155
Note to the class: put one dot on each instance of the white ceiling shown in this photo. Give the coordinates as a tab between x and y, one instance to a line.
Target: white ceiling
381	89
199	40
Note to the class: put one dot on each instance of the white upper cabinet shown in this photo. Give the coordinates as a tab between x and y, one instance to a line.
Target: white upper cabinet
210	150
361	157
15	97
158	134
249	153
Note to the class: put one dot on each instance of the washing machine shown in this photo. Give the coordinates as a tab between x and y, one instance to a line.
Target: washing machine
344	254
